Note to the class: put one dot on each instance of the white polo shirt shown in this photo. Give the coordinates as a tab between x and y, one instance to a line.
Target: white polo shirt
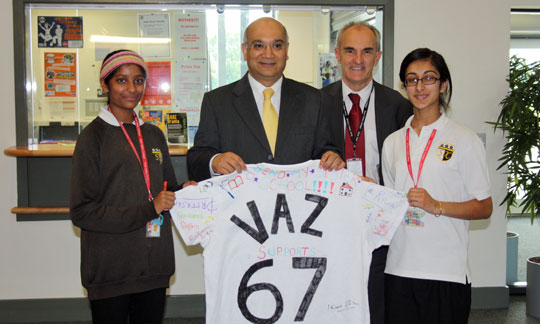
455	170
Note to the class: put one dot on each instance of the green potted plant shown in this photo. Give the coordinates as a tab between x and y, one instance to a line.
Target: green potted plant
519	120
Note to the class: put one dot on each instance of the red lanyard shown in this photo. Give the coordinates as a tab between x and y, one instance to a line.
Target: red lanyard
428	145
144	163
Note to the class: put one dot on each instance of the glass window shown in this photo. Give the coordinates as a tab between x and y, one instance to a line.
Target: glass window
525	43
189	50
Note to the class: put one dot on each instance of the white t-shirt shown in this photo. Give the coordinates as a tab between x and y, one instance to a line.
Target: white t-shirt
287	242
425	246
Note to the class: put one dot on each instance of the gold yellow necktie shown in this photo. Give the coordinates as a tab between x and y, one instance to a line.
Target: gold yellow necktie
270	119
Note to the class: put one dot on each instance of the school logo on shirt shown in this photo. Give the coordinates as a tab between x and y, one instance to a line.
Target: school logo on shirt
157	155
445	151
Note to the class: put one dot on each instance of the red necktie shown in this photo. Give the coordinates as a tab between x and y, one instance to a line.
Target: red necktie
355	117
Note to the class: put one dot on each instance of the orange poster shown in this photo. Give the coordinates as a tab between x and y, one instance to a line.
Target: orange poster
158	84
60	75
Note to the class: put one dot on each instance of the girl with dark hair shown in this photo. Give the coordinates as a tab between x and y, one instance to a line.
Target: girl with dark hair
442	167
119	201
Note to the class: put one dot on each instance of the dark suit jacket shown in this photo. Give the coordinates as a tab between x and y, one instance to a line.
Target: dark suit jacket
230	122
391	112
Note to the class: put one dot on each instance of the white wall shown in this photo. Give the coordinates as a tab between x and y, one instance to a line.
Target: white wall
473	36
299	66
41	259
527	4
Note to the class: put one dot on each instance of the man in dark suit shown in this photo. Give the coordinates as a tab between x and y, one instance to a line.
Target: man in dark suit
358	52
263	117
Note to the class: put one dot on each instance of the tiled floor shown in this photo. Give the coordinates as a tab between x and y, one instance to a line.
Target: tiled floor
528	246
514	314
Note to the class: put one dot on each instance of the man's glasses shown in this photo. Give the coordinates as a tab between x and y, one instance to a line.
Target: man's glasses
427	80
260	46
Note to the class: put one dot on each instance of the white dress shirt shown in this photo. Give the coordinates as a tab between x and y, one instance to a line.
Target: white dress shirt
258	94
370	130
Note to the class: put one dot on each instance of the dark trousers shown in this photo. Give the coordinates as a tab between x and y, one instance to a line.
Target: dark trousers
141	308
420	301
376	285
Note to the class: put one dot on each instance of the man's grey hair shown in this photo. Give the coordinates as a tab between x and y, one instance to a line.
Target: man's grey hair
361	24
245	40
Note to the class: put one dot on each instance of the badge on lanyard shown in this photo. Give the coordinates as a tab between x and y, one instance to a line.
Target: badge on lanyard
414	217
355	166
153	227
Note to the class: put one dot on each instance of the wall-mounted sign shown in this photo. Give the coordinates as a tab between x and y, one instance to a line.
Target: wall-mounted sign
60	32
155	26
158	84
60	75
190	36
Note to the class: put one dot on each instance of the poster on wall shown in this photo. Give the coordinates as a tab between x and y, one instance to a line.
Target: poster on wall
60	75
328	69
176	128
155	117
60	32
60	109
158	84
190	81
190	35
154	27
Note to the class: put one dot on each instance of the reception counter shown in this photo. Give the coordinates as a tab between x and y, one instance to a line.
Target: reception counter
66	150
43	178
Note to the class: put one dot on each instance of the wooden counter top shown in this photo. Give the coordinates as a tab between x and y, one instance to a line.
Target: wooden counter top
40	210
66	149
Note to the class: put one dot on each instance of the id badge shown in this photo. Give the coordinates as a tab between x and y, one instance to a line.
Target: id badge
153	227
355	166
414	217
